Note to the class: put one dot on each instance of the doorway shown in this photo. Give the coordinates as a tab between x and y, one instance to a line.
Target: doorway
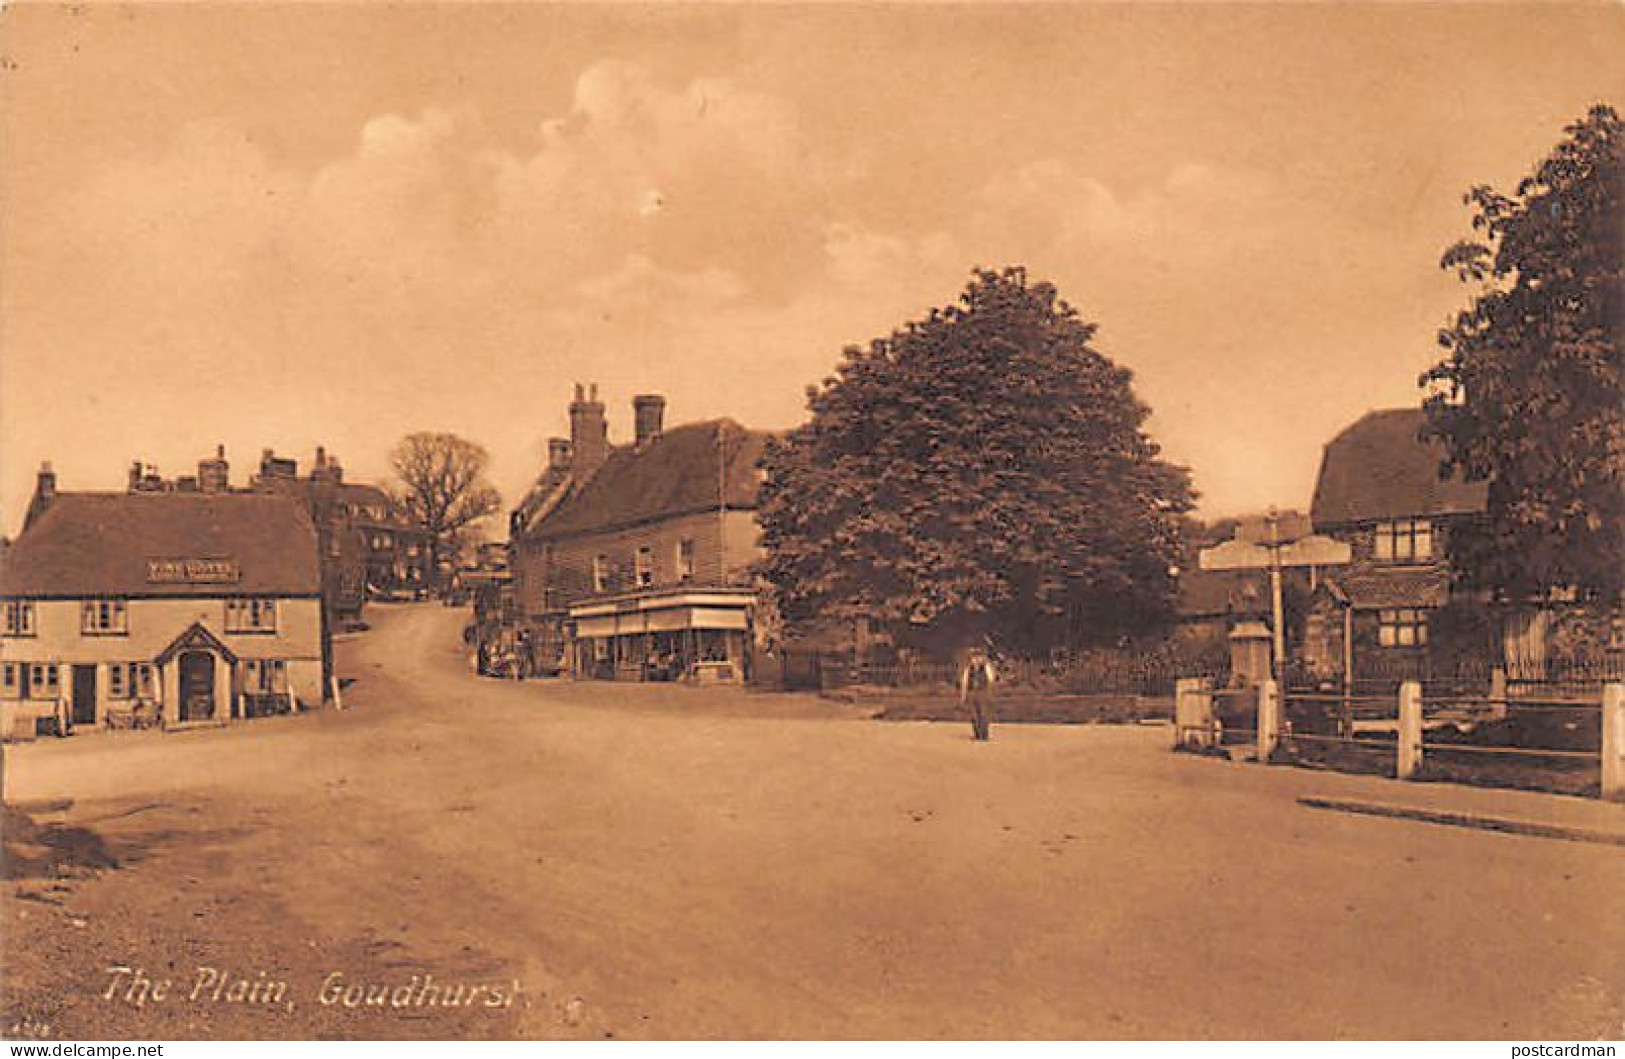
84	695
197	686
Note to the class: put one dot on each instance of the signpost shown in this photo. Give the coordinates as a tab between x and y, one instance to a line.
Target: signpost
1275	552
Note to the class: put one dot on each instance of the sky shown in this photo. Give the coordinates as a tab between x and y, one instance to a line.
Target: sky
282	226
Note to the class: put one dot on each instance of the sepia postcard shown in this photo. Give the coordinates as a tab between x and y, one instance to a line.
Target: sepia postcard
907	522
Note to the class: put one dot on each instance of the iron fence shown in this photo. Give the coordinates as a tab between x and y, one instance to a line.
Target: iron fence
1097	674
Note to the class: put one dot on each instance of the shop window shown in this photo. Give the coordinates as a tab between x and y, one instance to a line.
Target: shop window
253	614
104	617
645	566
18	617
1404	627
1406	540
600	573
685	559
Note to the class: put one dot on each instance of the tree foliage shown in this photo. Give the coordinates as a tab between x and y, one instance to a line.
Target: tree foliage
1529	396
443	488
980	472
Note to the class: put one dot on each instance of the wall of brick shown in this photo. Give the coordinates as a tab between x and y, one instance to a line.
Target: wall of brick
724	547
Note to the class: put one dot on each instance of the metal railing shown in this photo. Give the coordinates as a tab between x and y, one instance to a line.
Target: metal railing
1097	674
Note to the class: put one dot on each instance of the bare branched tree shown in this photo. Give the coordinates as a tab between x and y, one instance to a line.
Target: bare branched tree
443	488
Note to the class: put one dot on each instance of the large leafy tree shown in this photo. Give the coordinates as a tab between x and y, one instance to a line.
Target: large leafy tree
443	488
1529	395
981	472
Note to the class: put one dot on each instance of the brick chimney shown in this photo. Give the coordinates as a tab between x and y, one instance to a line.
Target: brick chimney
44	494
648	412
214	475
273	467
589	433
326	468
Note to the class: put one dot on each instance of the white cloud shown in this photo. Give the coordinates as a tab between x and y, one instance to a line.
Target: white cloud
676	237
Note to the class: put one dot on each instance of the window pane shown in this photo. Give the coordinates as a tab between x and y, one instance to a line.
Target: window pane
1384	546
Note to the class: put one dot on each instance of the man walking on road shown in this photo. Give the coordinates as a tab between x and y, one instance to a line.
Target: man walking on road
975	681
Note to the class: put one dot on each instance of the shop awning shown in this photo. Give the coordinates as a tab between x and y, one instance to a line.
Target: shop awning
670	619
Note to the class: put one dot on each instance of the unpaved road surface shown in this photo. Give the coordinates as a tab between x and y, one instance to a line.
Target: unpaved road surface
588	861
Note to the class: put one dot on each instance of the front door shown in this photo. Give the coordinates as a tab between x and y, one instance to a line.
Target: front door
197	686
84	694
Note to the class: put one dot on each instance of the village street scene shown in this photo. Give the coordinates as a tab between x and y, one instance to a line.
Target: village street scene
684	554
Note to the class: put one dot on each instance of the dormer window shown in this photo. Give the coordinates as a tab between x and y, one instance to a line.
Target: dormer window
1404	541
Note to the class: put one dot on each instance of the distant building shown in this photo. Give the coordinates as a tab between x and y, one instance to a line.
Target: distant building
370	549
193	606
633	562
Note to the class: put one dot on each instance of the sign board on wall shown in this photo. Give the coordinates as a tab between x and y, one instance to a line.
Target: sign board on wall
193	572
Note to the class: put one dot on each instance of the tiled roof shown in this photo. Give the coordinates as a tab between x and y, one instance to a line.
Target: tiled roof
1380	468
88	544
680	472
1425	586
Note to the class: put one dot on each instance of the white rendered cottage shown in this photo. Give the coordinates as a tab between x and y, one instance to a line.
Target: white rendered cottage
184	607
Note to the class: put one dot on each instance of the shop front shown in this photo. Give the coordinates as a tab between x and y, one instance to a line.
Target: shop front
688	636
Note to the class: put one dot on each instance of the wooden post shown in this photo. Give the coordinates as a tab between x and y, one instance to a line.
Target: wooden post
1345	722
1613	742
1269	719
1498	693
1410	729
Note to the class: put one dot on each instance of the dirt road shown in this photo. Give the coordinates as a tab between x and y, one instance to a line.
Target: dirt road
674	862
